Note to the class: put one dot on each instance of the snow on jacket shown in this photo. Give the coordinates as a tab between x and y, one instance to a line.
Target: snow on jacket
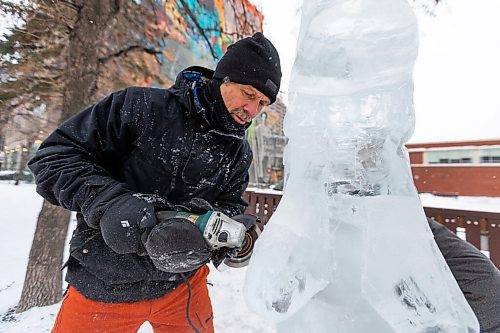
138	140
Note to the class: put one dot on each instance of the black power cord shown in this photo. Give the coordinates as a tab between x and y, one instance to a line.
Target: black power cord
189	303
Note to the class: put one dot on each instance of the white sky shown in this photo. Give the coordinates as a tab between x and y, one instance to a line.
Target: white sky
457	76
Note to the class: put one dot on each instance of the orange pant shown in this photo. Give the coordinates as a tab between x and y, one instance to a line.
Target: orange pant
165	314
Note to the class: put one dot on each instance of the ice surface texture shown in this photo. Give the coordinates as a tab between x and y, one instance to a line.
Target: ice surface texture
349	248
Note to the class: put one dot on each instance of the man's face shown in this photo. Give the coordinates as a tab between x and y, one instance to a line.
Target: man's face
243	102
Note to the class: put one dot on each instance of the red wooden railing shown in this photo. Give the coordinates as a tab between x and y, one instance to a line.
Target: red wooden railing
481	229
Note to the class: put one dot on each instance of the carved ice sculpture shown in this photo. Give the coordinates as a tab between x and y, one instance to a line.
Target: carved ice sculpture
349	250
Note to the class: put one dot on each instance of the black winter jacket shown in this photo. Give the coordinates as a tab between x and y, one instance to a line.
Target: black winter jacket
138	140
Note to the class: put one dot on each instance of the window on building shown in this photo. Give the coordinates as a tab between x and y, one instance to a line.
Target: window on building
490	155
449	156
490	159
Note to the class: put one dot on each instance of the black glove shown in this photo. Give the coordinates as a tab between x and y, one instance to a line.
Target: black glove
127	218
195	205
176	245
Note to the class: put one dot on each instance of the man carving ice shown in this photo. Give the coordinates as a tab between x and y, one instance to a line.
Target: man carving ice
136	167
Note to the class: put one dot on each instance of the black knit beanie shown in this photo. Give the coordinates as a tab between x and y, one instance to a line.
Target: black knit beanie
253	61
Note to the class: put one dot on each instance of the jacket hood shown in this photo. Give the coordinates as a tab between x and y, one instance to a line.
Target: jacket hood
213	113
185	80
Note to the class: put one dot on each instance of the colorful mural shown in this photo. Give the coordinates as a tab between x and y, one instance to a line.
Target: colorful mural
206	28
165	37
175	34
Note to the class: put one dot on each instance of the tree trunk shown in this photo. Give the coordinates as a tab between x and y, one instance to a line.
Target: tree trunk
43	281
86	45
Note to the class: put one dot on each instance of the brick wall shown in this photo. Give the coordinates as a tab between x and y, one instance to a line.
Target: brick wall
459	180
416	157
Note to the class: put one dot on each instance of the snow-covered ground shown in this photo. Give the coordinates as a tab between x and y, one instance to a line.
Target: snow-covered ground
19	206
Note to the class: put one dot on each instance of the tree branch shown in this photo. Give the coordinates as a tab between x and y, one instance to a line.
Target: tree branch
200	29
131	48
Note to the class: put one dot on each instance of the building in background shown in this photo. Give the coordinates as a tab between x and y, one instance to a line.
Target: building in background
267	141
468	168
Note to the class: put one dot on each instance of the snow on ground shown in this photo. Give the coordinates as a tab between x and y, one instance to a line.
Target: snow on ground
19	207
264	190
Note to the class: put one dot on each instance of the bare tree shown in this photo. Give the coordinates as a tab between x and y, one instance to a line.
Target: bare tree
43	281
